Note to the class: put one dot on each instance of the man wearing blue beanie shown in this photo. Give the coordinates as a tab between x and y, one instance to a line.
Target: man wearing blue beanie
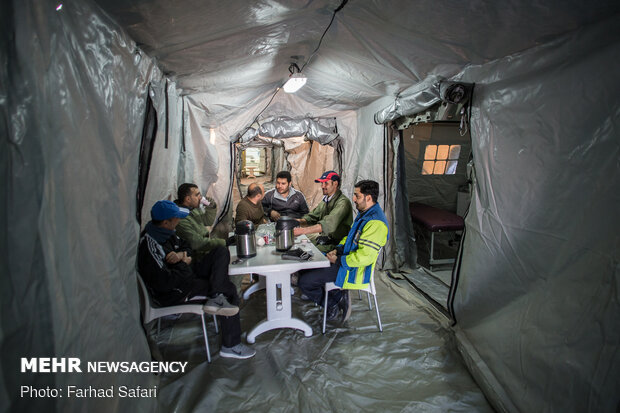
172	276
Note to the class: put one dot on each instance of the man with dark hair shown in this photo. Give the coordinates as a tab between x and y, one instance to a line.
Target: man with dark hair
368	187
172	276
330	221
186	189
250	207
353	261
196	227
284	200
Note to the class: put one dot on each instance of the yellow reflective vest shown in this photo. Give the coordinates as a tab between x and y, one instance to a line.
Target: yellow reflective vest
360	248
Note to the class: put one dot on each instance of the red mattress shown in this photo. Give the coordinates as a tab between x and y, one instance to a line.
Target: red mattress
435	219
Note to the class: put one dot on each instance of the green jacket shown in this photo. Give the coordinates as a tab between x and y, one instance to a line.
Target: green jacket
193	229
335	218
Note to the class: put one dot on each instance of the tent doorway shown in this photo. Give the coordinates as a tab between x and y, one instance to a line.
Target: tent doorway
261	159
436	165
253	161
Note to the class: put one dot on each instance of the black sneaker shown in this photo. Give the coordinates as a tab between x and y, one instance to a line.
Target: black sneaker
345	305
332	312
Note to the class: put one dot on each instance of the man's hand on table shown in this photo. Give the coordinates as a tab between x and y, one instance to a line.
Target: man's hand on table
274	215
313	229
332	256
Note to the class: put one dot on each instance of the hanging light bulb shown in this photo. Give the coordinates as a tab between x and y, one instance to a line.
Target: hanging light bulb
295	81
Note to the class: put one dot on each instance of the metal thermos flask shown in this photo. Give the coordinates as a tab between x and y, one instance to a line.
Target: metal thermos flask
246	242
285	237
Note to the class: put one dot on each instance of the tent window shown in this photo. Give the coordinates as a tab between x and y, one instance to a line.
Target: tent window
253	162
440	159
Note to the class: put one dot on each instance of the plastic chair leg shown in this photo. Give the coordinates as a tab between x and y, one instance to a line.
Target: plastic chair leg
378	315
325	311
204	333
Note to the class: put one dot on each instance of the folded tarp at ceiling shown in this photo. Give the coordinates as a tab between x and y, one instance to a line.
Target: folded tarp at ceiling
412	100
323	131
537	303
252	139
423	95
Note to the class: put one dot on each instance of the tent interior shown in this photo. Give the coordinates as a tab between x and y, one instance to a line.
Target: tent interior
503	115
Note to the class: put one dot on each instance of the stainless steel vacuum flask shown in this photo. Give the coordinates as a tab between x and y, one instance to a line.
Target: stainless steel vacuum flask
246	242
285	238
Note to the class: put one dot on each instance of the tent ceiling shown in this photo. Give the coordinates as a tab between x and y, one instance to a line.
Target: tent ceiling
373	49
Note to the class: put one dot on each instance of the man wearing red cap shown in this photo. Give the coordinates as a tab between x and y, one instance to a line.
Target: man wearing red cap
331	220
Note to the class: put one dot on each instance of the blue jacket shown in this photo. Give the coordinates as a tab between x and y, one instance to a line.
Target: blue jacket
360	248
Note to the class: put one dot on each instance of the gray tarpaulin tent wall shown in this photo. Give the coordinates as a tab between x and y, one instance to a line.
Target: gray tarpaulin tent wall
535	299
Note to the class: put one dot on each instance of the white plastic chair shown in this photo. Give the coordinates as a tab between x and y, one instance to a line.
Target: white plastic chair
150	313
329	286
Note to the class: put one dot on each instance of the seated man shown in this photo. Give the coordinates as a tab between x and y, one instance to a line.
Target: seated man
353	261
331	219
195	227
172	276
284	200
250	207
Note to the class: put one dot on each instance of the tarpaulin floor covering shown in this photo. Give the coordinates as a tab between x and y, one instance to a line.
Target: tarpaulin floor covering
435	284
413	365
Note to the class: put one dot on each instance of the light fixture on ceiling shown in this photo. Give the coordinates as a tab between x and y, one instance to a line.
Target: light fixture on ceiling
296	79
300	79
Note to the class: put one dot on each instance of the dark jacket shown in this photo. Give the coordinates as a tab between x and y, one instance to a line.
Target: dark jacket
294	206
167	283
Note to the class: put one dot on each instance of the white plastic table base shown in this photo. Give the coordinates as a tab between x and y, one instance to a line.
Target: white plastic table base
275	278
257	286
278	286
